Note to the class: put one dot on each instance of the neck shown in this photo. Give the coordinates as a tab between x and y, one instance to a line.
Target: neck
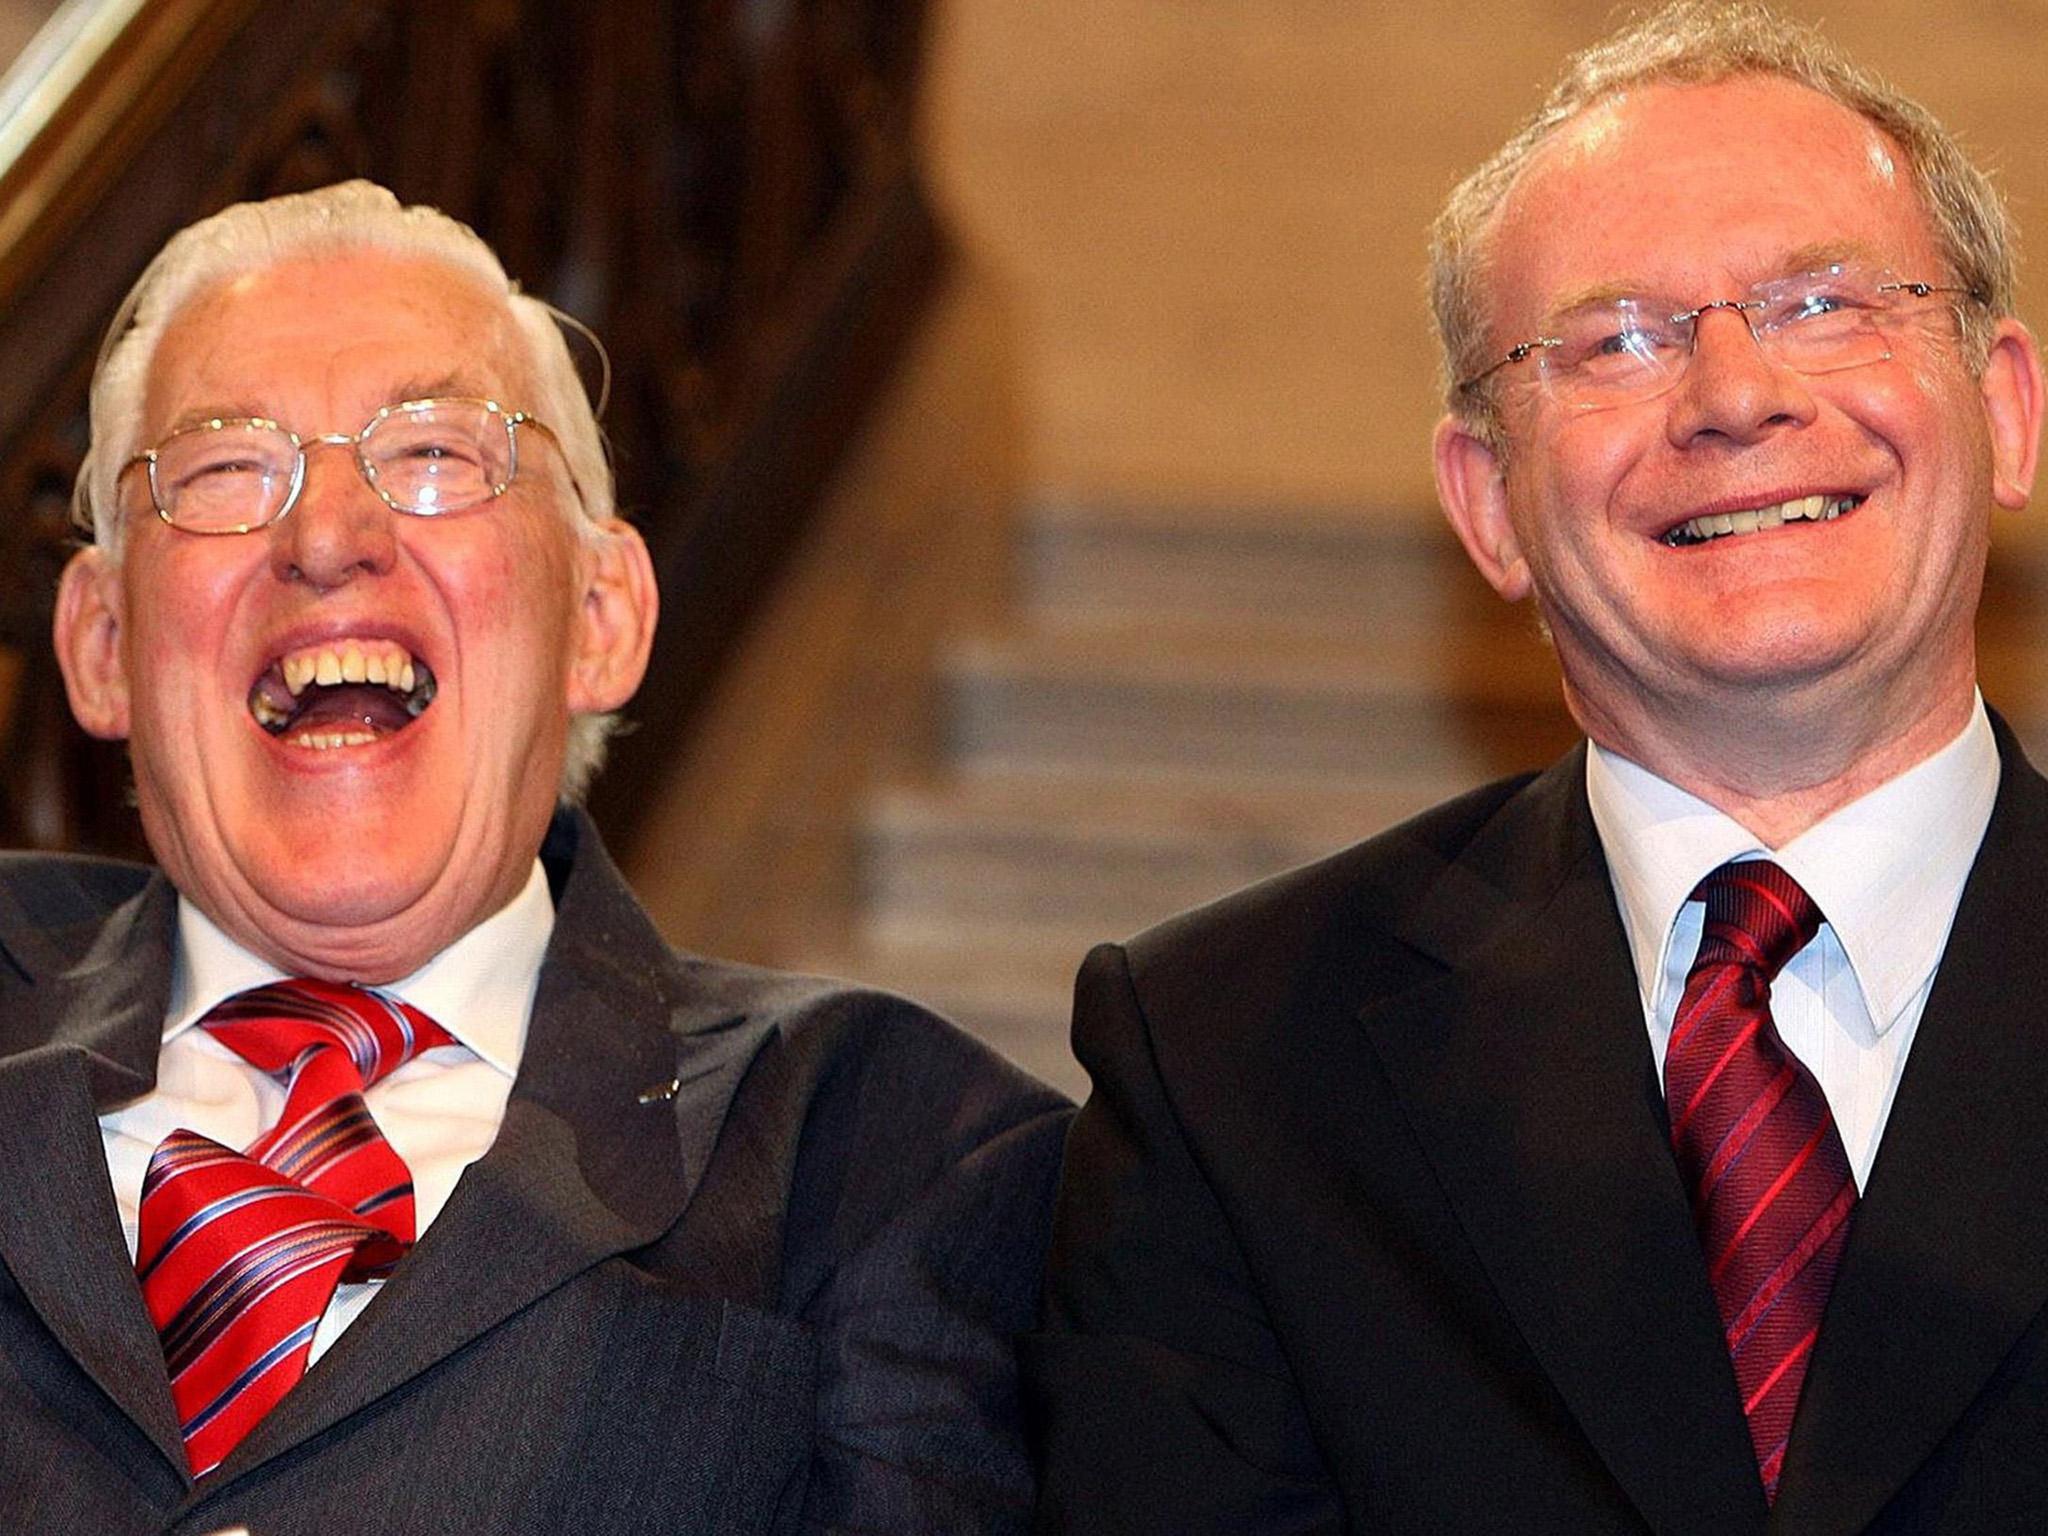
1777	765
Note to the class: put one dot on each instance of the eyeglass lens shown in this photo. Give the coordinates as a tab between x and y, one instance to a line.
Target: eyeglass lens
1631	348
436	456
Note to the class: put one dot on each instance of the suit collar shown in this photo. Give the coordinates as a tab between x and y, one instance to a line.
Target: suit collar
80	1039
1947	1259
1525	1071
620	1095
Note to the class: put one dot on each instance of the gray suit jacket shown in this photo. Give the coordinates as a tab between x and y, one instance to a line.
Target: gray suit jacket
780	1300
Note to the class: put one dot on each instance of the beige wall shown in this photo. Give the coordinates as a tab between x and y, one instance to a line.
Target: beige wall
1208	215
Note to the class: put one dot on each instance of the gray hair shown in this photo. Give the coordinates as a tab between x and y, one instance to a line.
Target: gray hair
1695	42
348	217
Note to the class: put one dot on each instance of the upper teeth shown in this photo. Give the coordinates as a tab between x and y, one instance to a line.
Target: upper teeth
349	661
1819	509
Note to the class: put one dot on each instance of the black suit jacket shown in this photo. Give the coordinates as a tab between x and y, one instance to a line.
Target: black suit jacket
1371	1223
780	1299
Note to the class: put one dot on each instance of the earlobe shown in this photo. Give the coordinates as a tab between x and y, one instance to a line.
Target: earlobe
2012	390
86	632
1473	489
615	624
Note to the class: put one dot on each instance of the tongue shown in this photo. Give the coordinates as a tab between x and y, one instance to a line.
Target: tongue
359	704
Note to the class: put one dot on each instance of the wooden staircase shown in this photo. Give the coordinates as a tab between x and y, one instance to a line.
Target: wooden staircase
1181	700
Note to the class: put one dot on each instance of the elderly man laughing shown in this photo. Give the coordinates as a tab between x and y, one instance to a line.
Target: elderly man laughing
374	1165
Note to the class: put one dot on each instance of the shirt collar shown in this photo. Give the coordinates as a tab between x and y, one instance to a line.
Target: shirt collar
1887	869
480	988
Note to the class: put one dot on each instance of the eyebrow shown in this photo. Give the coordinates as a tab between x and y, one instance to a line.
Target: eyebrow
1828	253
460	385
419	387
201	415
1805	258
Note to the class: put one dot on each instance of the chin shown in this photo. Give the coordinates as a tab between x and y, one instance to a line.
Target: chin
335	891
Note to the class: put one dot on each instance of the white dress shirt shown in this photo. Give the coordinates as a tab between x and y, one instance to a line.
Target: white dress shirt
1886	871
440	1111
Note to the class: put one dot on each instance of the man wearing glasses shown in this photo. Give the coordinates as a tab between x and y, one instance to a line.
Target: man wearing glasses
1656	1143
698	1247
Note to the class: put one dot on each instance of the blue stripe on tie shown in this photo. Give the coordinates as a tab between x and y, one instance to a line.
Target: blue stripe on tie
206	1213
378	1202
278	1351
214	1307
406	1043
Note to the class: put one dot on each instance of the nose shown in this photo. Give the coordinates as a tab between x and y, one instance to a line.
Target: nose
339	529
1732	391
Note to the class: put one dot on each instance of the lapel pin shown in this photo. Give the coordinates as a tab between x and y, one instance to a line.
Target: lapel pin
660	1091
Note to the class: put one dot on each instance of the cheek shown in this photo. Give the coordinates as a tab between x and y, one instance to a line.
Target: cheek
511	598
180	604
1563	486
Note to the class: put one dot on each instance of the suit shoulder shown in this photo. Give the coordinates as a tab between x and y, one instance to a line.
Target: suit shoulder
46	897
836	1029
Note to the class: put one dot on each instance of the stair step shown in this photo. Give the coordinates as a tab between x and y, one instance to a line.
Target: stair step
1462	709
1112	851
1243	562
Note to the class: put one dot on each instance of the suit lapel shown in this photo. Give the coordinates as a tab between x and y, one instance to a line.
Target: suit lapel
81	1039
1526	1073
1947	1260
621	1091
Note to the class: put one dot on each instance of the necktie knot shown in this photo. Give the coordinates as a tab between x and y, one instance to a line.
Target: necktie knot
273	1026
1757	916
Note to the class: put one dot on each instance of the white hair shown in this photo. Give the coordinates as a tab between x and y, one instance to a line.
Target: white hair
348	217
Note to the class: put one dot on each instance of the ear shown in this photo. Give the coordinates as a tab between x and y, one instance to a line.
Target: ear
615	626
2011	384
1474	491
87	634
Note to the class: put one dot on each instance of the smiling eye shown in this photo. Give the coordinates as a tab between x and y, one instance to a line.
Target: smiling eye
224	476
429	448
220	466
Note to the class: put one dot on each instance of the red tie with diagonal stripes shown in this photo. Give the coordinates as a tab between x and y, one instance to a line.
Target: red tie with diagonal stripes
1771	1188
239	1252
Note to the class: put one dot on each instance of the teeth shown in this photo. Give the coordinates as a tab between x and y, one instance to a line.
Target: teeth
384	663
326	741
1817	509
353	661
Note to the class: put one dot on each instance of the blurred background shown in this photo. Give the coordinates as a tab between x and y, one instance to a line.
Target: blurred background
1028	404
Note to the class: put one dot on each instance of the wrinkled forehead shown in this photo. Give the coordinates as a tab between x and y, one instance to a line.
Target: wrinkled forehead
334	336
1697	191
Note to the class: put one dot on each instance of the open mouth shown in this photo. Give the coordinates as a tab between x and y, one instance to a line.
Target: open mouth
341	693
1723	525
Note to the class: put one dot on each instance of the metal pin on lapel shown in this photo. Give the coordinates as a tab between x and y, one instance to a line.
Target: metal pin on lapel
660	1091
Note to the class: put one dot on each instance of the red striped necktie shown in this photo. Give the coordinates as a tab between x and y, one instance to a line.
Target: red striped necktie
239	1252
1771	1188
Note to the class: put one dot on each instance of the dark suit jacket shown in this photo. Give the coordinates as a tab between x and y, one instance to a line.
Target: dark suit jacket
1371	1223
782	1299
